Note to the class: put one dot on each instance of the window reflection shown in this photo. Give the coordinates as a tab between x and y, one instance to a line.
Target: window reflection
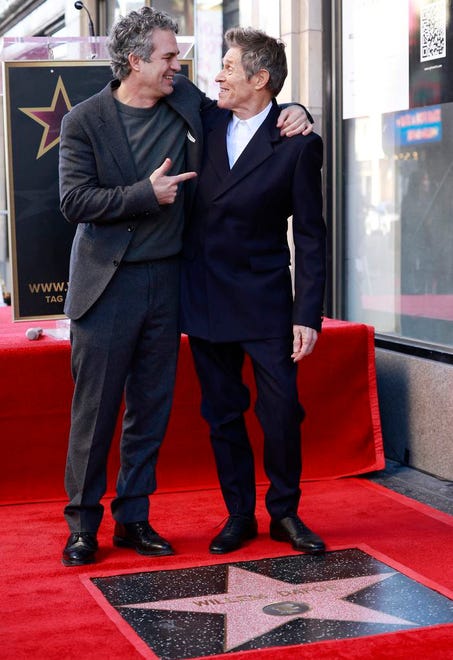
399	217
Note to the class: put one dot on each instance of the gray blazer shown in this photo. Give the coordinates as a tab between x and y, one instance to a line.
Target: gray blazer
99	190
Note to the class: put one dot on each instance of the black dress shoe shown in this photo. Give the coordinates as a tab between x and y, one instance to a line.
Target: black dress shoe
80	549
141	537
236	530
294	531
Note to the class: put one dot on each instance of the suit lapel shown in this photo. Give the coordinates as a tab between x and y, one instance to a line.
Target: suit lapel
114	137
184	104
182	101
216	150
259	149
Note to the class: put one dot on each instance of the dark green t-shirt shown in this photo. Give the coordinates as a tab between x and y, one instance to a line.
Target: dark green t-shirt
153	135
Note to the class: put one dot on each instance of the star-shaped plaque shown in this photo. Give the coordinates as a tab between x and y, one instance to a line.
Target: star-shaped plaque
276	602
50	118
255	604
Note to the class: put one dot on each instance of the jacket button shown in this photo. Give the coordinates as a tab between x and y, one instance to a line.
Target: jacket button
130	228
116	263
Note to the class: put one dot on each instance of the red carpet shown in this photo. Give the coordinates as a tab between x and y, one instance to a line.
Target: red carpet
341	433
47	613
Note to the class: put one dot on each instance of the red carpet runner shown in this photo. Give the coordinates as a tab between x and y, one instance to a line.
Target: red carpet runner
48	613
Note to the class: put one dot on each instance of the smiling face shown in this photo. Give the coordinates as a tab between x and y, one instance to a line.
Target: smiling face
157	75
236	92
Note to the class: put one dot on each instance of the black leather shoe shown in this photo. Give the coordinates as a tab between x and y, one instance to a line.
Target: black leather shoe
141	537
80	549
294	531
236	530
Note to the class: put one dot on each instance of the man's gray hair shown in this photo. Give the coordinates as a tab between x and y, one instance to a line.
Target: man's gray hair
259	51
133	34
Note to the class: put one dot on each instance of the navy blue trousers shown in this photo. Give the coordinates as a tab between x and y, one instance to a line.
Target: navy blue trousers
225	398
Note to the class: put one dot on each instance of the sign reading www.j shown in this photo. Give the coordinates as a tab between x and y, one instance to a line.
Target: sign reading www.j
49	292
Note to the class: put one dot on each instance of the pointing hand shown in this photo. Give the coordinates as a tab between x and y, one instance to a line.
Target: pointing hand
166	187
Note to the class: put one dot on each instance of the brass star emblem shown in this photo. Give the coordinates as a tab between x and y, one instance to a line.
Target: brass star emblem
50	118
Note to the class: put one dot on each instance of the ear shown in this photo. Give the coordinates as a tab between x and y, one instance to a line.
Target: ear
134	61
261	79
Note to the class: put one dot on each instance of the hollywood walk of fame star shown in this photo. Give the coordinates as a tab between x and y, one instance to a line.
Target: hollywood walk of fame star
255	604
50	117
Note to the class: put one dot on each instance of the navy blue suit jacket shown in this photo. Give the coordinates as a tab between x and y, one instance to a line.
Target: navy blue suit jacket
236	282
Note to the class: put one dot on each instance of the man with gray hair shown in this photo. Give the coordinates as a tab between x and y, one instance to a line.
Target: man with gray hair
237	296
128	161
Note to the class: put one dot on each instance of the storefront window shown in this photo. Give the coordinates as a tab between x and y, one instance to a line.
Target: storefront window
398	169
399	213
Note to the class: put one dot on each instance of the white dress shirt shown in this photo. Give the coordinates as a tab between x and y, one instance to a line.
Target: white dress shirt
241	131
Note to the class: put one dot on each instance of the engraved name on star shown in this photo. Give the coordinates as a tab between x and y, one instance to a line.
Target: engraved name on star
254	604
50	118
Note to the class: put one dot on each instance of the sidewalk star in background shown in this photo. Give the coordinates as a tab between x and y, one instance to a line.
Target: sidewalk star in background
254	604
50	118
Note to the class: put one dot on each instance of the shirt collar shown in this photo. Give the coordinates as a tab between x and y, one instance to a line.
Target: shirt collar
252	122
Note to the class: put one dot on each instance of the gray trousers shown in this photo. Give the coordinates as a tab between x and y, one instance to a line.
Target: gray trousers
125	345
